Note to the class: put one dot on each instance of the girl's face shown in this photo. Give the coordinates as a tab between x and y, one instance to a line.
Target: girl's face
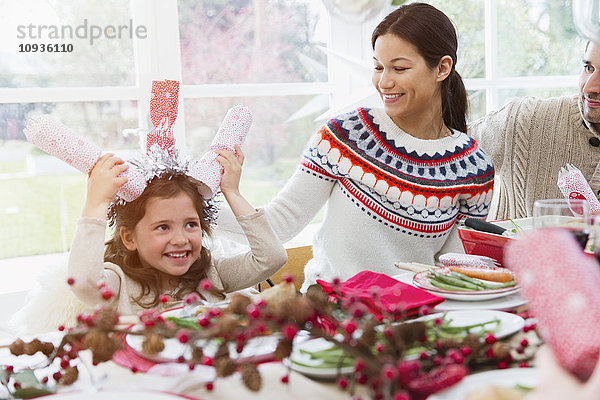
168	237
409	89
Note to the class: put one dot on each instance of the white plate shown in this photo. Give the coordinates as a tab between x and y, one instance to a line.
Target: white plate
509	323
501	377
421	280
314	344
507	303
103	394
258	346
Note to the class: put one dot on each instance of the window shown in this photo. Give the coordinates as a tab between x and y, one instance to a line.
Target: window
285	59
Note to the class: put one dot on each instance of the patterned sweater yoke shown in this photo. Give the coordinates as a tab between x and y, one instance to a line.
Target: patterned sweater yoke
421	186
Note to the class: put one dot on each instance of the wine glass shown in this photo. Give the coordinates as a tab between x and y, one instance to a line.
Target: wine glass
570	214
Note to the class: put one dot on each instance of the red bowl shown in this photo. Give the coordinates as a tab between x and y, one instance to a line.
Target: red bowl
490	244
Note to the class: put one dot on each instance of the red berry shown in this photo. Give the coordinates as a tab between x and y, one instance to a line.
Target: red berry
163	298
343	382
61	328
64	363
402	395
9	369
466	350
336	281
424	310
389	372
207	361
101	284
520	350
359	365
70	281
191	366
17	385
502	365
206	284
490	338
423	355
45	380
362	379
357	313
253	311
191	298
285	379
350	327
379	347
438	321
181	359
210	386
106	293
524	342
289	331
203	321
56	376
183	336
288	278
134	369
524	365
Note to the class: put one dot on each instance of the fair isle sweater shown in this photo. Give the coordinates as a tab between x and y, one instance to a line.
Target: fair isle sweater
389	196
530	140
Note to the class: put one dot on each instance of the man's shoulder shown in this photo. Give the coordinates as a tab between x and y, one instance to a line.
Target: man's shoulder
532	102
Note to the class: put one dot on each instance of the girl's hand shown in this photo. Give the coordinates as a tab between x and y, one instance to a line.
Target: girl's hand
103	184
230	182
232	165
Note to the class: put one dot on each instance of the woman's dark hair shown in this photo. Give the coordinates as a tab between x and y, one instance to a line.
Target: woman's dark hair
433	34
129	214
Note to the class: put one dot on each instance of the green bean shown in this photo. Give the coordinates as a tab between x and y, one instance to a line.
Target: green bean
453	281
466	278
445	286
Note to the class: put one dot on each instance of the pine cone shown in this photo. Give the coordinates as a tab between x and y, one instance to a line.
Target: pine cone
17	347
106	319
197	354
369	336
226	324
500	350
224	366
317	297
297	308
102	346
411	332
238	304
152	344
473	342
69	376
283	349
251	377
448	343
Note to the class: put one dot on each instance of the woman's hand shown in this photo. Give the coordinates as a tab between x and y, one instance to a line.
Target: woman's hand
230	182
556	383
103	184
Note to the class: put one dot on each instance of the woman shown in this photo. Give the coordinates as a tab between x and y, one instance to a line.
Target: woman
396	180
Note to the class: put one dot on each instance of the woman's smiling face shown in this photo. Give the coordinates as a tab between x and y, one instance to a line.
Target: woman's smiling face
407	86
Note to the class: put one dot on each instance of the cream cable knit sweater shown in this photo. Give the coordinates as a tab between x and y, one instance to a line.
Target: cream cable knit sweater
529	140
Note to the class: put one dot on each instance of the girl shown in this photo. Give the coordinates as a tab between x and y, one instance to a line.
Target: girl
395	180
156	247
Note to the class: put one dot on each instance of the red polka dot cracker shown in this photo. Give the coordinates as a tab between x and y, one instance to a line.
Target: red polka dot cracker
135	185
562	286
164	102
61	142
233	131
573	185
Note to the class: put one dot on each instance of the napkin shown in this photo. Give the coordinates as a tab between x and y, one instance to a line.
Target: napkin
562	286
391	294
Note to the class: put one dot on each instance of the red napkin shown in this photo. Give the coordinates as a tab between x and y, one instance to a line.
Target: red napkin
562	286
383	294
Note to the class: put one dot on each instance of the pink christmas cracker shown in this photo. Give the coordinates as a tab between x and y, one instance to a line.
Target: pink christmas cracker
233	131
573	185
60	141
164	102
458	259
561	284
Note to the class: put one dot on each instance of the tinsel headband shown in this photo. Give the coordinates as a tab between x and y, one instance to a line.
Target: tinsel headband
162	157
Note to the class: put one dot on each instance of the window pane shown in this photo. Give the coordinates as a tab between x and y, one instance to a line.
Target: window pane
506	94
468	18
273	147
99	31
43	195
476	104
537	38
252	41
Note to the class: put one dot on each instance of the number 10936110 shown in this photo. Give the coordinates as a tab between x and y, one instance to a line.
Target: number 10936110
45	48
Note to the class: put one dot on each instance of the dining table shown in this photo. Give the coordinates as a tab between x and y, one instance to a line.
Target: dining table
170	380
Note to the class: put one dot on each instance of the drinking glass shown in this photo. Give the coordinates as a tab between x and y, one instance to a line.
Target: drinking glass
571	214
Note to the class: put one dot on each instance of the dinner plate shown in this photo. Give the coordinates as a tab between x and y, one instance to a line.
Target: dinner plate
500	377
258	346
313	344
509	323
421	280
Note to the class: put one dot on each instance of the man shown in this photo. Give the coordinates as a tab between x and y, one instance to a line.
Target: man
530	139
